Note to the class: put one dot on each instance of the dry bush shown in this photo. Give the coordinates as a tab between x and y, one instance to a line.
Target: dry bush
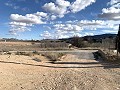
53	56
36	53
20	53
27	53
5	50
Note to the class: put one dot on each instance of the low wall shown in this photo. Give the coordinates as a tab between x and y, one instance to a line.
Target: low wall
107	56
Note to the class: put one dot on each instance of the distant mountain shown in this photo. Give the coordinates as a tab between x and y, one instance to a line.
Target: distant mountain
93	39
103	36
99	38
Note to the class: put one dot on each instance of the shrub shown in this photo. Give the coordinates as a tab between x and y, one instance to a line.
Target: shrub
35	52
53	56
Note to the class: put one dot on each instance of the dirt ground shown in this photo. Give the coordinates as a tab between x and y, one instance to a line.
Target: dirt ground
75	71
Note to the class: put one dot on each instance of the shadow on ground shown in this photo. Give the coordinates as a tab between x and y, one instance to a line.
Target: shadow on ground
51	66
100	63
36	59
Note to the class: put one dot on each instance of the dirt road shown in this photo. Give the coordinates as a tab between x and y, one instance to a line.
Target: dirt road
76	71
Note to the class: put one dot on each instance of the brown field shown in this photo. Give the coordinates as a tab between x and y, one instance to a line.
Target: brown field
32	46
16	43
77	70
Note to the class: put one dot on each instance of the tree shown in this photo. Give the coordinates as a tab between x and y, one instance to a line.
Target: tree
78	42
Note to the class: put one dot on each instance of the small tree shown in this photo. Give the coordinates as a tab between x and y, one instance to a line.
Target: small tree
78	42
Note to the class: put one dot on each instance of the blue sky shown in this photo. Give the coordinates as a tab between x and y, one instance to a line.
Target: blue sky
38	19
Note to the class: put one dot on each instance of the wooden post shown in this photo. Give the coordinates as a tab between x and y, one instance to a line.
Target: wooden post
117	47
118	42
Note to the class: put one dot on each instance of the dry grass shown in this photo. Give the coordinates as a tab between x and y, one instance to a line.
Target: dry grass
30	46
52	56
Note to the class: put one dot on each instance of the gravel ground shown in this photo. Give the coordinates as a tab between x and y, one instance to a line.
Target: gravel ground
75	71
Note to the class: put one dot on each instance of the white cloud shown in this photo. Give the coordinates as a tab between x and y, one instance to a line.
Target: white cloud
47	27
83	27
87	34
91	25
92	22
57	9
112	2
25	9
108	26
61	7
113	12
53	17
62	31
46	35
28	18
110	31
54	9
60	34
22	23
55	22
13	5
79	5
9	4
17	27
66	30
19	24
42	14
62	3
68	27
98	24
72	21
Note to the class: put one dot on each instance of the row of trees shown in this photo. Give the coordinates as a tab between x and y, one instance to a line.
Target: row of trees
92	42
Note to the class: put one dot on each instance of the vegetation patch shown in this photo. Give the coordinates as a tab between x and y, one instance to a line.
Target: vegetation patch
53	56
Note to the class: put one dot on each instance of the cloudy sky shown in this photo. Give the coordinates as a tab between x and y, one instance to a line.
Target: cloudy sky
38	19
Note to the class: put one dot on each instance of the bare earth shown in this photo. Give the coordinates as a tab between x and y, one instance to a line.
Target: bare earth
75	71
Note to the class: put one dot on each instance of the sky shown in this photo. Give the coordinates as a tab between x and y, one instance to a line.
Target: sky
54	19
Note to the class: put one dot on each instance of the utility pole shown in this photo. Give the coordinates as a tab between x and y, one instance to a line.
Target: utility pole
118	42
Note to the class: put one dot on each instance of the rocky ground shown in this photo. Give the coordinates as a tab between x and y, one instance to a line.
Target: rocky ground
76	71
